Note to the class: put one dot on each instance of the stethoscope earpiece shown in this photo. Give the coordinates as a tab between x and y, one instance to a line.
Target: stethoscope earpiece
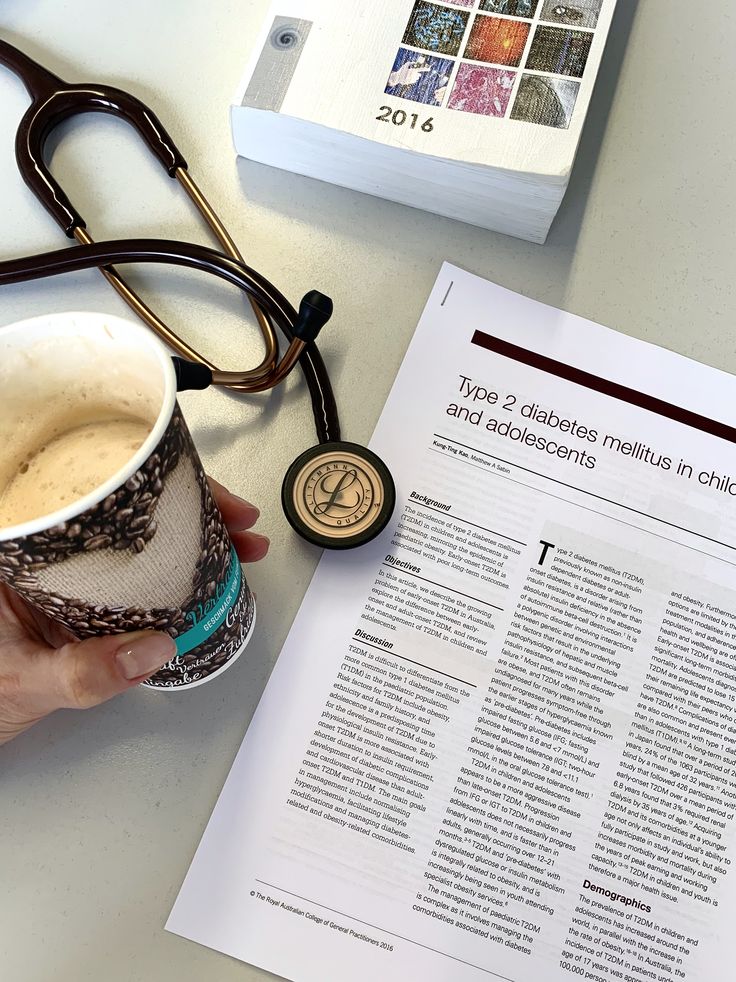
338	495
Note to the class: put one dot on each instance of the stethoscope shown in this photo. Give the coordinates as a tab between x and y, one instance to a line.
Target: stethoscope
337	494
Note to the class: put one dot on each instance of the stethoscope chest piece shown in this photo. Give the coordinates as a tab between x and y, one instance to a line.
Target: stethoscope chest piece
338	495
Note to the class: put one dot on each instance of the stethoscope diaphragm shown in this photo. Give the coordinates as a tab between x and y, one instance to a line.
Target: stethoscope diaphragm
338	495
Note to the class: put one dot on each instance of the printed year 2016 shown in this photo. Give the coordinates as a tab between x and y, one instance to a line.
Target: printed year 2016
398	117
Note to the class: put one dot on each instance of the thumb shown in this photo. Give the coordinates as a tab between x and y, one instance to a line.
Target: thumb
89	672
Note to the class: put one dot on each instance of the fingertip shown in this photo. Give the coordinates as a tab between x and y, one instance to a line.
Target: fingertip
237	502
243	515
143	655
238	514
251	546
91	671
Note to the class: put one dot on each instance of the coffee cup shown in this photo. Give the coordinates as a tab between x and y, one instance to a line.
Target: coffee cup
107	521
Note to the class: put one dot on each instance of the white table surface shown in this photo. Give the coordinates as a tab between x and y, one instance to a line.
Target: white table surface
101	811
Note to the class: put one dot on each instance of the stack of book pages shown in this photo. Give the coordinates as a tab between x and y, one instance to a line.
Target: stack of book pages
471	109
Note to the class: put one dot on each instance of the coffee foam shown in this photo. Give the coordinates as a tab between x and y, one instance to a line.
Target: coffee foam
54	390
74	460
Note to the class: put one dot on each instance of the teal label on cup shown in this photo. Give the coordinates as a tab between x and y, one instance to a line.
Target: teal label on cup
214	614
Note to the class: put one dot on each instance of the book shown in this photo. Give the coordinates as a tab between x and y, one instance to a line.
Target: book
472	109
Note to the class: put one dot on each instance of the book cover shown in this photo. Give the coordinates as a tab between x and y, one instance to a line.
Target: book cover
497	83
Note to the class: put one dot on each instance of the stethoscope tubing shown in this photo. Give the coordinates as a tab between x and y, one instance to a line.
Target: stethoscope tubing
52	102
199	257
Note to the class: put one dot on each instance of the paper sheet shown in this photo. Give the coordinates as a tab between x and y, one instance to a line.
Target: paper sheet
500	741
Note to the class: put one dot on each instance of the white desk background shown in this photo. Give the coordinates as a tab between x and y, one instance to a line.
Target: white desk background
101	811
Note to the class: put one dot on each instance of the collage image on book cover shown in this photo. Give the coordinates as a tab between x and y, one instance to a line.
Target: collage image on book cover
515	59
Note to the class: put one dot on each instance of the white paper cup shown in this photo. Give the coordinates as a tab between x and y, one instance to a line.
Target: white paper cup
145	550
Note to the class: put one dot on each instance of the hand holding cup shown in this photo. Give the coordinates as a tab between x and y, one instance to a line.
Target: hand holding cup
43	668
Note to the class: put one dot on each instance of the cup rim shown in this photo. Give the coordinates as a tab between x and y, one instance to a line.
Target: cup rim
81	320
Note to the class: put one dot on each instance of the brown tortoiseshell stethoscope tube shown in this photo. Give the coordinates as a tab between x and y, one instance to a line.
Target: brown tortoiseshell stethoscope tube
53	101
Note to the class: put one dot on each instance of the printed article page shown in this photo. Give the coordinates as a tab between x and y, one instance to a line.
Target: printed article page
500	741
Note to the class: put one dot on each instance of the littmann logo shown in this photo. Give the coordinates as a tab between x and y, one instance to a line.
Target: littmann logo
339	492
338	495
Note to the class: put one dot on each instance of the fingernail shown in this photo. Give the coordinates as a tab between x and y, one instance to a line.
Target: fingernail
263	538
246	504
144	655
